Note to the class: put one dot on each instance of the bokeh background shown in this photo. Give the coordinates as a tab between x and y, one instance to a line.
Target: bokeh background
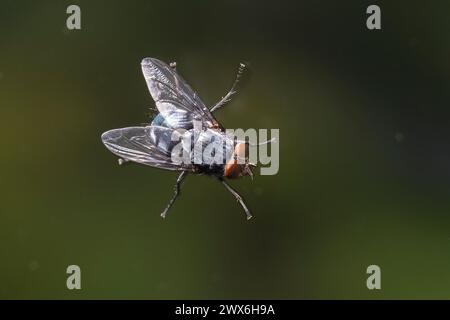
364	146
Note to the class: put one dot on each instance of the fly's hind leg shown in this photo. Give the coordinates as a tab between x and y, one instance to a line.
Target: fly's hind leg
232	91
121	161
238	198
177	192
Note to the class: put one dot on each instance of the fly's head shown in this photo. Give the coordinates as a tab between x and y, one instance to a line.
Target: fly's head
238	165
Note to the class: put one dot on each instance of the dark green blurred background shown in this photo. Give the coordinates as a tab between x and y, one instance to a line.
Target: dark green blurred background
364	146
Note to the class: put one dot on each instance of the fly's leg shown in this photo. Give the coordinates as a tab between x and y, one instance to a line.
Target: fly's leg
173	65
122	161
177	192
232	91
238	198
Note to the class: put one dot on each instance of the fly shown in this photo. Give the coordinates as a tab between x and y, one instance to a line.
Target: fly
179	109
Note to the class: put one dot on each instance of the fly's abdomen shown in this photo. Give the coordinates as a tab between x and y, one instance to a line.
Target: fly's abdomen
164	139
173	118
159	120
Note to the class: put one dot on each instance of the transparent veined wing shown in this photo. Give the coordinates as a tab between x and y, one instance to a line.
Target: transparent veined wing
174	98
150	145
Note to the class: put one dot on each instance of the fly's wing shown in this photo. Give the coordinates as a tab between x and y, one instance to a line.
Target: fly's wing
151	145
174	98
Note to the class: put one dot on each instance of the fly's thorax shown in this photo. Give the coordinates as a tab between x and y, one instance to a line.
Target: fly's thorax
210	147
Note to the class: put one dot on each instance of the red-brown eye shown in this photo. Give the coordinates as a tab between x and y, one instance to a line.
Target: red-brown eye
233	169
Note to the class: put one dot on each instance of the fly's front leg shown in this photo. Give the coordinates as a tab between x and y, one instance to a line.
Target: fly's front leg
173	65
177	192
232	91
238	198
